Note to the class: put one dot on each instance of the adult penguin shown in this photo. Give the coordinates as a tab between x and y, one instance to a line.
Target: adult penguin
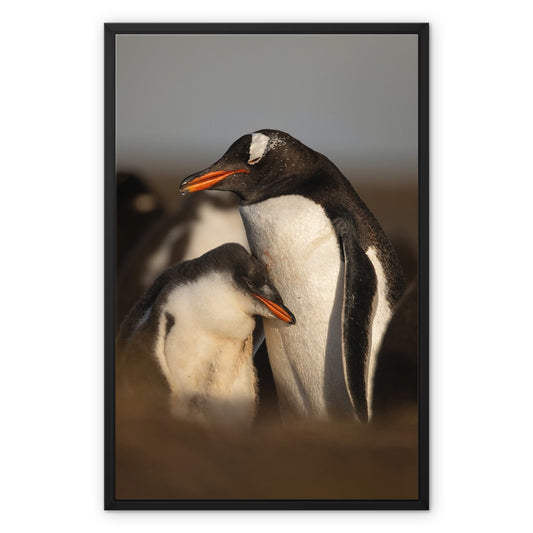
330	260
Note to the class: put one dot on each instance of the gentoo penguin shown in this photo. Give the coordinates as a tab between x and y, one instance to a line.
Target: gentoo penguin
189	339
330	260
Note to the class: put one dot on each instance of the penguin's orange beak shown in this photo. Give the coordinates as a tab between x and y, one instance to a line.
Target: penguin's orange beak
205	181
277	310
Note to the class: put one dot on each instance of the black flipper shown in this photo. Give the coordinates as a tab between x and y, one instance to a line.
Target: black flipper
360	286
135	371
132	319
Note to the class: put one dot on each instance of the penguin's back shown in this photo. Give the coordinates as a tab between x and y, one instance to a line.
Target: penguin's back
332	190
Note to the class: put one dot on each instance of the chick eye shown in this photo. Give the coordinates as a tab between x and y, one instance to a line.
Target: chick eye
253	161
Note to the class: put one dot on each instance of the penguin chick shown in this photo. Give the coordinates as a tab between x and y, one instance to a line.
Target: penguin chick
189	339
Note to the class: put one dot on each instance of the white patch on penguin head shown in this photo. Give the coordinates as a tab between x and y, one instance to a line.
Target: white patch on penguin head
258	147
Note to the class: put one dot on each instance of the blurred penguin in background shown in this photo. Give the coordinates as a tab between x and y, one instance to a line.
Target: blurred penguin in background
138	206
178	235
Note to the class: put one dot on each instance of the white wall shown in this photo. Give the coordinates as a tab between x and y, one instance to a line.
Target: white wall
51	392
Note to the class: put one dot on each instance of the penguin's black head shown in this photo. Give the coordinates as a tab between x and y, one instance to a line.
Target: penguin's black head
250	277
256	165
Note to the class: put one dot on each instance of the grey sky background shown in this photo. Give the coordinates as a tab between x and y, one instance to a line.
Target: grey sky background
183	99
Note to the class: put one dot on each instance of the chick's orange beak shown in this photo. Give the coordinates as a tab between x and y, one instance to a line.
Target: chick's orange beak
277	310
205	181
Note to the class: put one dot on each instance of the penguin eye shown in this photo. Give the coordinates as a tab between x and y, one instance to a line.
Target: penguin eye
253	161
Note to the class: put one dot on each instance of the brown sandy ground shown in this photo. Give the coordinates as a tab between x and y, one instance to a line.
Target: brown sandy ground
160	458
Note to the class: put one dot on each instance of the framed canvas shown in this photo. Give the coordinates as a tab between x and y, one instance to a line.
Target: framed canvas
288	370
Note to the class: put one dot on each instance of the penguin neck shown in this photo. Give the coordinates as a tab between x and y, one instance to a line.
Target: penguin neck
307	182
213	306
211	328
289	184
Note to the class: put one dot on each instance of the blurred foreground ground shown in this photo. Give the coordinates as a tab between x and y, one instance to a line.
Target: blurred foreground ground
160	458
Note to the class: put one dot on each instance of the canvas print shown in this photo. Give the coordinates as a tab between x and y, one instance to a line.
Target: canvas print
266	291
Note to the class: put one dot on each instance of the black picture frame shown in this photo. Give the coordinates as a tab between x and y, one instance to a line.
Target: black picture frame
111	30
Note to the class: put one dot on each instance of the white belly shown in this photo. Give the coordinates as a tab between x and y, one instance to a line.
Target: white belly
213	382
207	355
295	239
